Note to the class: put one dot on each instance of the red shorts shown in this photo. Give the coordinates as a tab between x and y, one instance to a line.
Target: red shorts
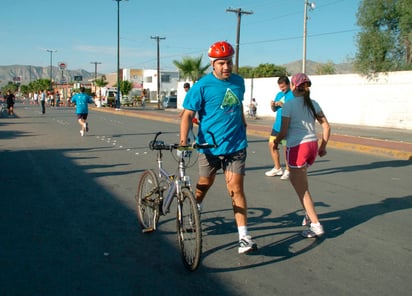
302	155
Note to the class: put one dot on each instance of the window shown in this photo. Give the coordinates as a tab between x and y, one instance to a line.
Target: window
165	78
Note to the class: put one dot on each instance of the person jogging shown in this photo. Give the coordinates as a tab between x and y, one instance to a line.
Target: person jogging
82	109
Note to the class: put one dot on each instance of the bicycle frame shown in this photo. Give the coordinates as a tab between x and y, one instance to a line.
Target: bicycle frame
156	191
174	182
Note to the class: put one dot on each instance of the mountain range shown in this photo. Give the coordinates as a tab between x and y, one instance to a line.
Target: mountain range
24	74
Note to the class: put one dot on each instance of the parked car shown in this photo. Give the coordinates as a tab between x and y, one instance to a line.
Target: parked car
170	102
110	98
126	101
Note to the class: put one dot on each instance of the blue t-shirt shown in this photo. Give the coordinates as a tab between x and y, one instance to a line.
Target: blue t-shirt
281	97
82	100
219	106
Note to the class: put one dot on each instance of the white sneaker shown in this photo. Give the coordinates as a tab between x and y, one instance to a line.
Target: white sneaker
306	220
285	175
314	231
82	133
246	245
274	172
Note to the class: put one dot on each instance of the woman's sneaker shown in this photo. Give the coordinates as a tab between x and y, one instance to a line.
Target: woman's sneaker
285	175
246	245
314	231
306	220
274	172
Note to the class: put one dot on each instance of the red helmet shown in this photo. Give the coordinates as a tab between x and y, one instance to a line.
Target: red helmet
220	50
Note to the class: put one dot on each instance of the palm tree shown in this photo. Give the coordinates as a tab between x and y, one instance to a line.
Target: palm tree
191	68
100	83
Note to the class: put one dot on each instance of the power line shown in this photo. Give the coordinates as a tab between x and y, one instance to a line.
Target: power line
299	37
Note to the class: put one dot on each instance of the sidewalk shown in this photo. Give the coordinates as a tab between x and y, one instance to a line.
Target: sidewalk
394	143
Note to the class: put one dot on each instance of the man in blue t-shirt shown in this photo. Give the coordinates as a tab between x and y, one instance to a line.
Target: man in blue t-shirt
217	98
282	97
82	109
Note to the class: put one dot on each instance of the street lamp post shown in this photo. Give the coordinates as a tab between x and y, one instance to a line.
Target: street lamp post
118	54
311	6
51	67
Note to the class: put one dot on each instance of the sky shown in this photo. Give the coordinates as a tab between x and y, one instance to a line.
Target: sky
85	31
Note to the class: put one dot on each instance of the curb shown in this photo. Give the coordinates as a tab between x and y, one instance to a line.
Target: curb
342	142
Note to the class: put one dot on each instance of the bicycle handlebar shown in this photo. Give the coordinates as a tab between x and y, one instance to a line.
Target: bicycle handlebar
161	145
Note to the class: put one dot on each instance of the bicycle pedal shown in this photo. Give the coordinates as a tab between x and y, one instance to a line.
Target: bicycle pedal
146	230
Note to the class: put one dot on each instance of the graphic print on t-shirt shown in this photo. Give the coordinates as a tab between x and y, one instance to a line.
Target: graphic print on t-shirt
230	99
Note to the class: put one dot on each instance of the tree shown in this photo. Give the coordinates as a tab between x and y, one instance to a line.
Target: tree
246	71
125	87
11	86
325	69
39	85
384	44
191	68
269	70
101	82
24	90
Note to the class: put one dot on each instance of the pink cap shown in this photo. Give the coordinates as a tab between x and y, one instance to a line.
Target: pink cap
300	78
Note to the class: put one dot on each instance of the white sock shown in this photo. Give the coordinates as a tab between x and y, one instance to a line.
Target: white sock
242	231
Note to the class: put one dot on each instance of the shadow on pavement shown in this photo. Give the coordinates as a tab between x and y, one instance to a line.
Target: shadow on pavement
65	234
290	243
362	167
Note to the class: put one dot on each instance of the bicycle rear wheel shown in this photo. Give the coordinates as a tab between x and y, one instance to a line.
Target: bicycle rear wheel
148	201
189	230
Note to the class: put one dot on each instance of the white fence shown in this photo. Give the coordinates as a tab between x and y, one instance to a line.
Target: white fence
348	98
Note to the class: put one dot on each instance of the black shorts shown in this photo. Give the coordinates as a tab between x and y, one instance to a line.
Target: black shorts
82	116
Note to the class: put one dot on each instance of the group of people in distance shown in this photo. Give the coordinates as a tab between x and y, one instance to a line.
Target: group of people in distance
217	100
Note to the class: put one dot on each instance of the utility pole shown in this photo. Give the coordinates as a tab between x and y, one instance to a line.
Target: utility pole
51	67
311	6
118	55
239	13
157	38
95	69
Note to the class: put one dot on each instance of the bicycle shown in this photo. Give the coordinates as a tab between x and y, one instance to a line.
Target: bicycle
156	192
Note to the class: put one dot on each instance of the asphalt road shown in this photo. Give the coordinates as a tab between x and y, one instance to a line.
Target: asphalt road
69	227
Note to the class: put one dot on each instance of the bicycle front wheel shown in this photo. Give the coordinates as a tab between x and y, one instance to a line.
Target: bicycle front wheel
148	201
189	230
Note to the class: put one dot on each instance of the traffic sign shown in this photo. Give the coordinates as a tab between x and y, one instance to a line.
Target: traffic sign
62	65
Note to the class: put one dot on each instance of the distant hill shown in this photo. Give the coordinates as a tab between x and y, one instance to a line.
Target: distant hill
311	67
31	73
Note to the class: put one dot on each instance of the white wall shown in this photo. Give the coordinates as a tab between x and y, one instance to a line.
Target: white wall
346	98
350	98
